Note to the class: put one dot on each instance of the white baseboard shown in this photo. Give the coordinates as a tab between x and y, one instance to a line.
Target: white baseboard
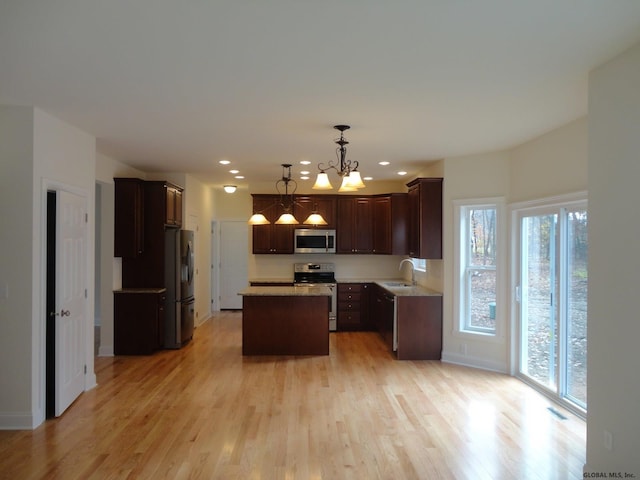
105	351
16	421
475	362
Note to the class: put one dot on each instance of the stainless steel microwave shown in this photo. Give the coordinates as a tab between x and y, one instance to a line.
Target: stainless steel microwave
311	240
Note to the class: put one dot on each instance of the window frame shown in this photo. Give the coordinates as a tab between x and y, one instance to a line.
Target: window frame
462	285
519	210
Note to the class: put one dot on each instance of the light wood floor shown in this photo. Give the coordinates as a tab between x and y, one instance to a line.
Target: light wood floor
207	412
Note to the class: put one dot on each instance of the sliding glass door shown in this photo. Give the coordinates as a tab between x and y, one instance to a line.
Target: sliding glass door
552	294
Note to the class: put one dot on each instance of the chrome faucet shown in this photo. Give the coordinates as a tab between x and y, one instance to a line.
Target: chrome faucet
413	272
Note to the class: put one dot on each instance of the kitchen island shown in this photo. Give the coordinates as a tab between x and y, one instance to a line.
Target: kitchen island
285	320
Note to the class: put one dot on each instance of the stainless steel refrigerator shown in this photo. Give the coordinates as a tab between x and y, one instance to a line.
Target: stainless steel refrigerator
179	275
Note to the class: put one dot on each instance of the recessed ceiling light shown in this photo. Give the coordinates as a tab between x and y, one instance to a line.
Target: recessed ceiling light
304	178
224	162
234	171
368	178
304	162
383	163
402	172
239	177
304	172
230	188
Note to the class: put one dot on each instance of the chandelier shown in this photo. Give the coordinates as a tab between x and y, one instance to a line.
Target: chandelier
346	169
286	203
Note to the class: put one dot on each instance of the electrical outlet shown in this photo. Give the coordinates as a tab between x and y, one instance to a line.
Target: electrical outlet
608	440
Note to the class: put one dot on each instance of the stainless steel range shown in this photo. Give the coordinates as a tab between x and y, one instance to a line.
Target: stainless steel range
319	274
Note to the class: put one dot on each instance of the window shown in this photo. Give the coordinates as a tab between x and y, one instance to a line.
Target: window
419	264
479	249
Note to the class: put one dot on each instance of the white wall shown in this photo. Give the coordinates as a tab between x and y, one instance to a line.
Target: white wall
38	152
613	396
477	176
199	204
16	270
552	164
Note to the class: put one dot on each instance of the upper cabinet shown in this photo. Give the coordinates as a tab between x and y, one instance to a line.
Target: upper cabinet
425	218
271	238
173	198
143	210
354	224
166	201
129	217
325	205
390	224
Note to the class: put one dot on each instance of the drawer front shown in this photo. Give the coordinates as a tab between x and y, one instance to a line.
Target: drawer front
349	297
348	306
349	287
349	321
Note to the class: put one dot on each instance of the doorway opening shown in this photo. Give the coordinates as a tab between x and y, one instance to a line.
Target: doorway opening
552	293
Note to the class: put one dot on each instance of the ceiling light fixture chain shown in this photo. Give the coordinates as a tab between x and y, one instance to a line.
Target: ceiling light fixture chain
347	169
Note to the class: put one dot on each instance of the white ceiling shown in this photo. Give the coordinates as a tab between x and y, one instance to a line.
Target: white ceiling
177	86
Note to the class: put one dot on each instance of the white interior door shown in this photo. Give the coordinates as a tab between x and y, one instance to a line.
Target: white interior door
71	265
234	253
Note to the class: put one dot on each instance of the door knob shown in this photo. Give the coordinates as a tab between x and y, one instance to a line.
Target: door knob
65	313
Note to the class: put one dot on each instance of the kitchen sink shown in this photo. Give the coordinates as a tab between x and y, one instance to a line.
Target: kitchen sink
397	285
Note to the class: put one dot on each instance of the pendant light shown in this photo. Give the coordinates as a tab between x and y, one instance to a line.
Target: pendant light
348	170
286	202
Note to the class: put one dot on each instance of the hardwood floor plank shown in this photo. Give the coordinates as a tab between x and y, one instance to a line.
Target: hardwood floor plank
207	412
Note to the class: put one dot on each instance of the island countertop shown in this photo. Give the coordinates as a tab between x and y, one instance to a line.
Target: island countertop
286	292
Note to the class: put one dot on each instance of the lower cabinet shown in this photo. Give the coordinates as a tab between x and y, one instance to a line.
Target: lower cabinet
353	307
382	313
138	327
419	327
415	322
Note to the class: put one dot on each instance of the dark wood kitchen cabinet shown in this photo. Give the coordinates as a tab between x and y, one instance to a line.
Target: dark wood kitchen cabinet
166	200
419	327
142	210
390	224
157	208
353	306
382	313
138	327
425	218
325	205
272	238
174	205
129	217
354	225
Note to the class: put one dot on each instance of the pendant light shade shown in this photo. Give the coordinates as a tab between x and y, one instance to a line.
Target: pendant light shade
322	182
355	180
258	219
346	185
315	219
287	219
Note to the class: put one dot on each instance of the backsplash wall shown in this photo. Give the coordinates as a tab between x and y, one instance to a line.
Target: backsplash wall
347	266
